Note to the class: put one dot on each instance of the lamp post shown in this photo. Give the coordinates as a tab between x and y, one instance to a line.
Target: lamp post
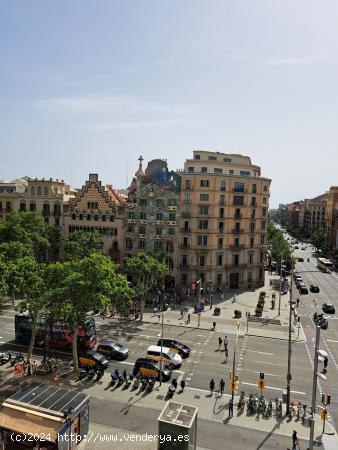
234	365
280	283
161	355
288	376
314	388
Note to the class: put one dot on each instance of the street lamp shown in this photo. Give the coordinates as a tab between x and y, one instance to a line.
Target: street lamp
233	381
288	376
161	355
280	283
210	294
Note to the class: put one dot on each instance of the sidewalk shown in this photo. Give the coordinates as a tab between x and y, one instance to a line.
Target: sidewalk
246	302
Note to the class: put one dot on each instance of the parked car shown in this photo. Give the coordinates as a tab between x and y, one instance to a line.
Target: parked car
183	350
314	288
94	359
328	308
300	259
303	290
112	349
296	247
148	368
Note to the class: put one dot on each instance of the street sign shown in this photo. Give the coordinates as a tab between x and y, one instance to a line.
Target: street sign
261	375
326	399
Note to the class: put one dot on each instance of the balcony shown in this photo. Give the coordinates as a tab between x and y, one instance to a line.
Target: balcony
143	221
131	221
237	247
172	208
184	246
131	205
237	231
186	230
238	216
235	266
184	266
159	222
172	222
158	236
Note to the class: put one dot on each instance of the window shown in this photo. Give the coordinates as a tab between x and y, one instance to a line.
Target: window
222	199
204	210
236	242
130	228
204	170
184	278
221	213
112	219
237	213
172	217
223	185
204	197
239	187
202	277
187	184
227	160
104	217
191	169
142	230
253	214
252	240
96	217
39	190
235	260
131	215
46	219
186	225
171	231
169	247
158	246
201	260
264	210
220	260
212	158
32	207
219	278
204	183
159	203
264	200
263	225
237	226
88	216
238	200
172	202
141	244
33	190
197	156
261	257
253	201
158	231
143	216
263	239
46	190
184	260
254	188
251	258
57	221
202	240
92	205
231	172
220	242
159	216
265	188
22	206
220	227
252	226
203	224
244	173
218	171
143	202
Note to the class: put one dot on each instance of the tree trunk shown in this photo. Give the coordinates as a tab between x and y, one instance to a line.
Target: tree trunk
141	307
32	342
13	297
74	349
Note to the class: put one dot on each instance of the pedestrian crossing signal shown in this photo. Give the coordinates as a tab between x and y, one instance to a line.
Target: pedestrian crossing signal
261	384
233	386
323	414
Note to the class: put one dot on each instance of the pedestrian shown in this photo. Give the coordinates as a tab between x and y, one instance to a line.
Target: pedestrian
231	408
212	386
182	313
57	378
222	386
226	353
222	296
182	385
297	302
155	311
219	343
234	299
214	325
295	441
225	342
188	320
34	367
326	360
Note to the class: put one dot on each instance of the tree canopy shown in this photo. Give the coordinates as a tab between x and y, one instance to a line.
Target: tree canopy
278	244
80	245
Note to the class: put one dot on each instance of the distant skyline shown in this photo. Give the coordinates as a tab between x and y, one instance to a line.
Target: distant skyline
89	86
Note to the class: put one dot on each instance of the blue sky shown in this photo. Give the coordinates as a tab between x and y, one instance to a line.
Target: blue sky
88	86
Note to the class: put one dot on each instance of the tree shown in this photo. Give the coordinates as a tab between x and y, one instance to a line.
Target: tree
3	279
30	279
79	286
278	245
147	273
318	239
79	245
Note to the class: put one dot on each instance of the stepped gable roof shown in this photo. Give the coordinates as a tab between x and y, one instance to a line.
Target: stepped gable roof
101	189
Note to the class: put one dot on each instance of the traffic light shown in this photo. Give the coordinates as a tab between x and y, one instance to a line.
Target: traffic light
326	360
326	399
261	376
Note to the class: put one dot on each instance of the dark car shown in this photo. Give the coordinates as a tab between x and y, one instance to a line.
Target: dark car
112	349
300	284
303	290
328	308
300	259
94	359
183	350
149	368
314	288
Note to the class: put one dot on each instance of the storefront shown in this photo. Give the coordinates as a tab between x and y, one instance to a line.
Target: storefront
44	417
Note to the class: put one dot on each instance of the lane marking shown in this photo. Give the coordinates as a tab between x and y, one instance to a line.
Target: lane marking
327	340
270	364
262	353
273	388
269	374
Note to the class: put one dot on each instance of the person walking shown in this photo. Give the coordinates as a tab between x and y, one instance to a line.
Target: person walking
225	342
188	320
182	385
231	408
212	386
214	325
222	297
226	354
222	386
219	343
295	441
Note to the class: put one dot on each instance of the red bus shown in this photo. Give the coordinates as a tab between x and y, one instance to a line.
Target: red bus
58	335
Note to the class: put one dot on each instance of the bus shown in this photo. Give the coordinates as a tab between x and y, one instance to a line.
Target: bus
58	335
324	265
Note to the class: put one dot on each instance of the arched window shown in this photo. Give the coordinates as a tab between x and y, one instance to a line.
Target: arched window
33	190
39	190
46	190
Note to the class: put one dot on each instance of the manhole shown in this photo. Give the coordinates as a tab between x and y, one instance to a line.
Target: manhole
160	397
197	396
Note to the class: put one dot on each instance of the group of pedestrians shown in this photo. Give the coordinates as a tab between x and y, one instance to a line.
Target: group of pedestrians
225	343
221	386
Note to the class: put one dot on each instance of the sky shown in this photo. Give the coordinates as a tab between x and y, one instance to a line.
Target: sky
86	86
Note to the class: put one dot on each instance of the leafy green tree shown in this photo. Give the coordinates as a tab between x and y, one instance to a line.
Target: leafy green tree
147	273
79	286
3	279
278	244
79	245
318	239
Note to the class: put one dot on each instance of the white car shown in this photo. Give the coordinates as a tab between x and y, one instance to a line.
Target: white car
173	358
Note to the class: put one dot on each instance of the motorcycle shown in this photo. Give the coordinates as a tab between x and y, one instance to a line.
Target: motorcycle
113	378
150	384
5	357
91	373
136	382
144	383
129	379
83	373
99	374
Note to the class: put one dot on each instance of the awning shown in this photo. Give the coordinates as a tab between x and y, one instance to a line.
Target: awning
23	422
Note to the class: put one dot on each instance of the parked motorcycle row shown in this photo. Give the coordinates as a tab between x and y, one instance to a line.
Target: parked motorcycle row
256	404
8	357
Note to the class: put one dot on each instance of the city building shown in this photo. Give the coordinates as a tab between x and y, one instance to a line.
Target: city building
151	214
223	219
96	207
314	214
332	218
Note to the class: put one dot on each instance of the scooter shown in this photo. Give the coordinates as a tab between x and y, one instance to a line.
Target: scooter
150	384
91	373
99	374
17	358
5	357
129	379
113	378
